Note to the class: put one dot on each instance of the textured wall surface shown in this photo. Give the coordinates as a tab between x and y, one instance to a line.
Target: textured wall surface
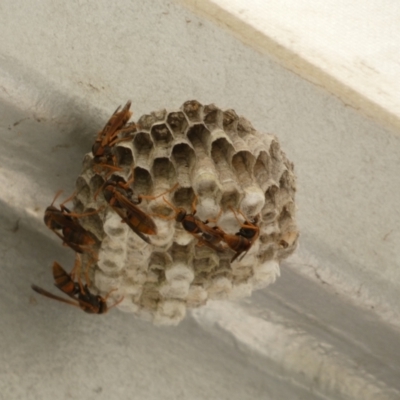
329	326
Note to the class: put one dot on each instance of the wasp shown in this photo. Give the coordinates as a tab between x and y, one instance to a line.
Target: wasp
107	138
199	229
86	301
73	234
119	196
242	241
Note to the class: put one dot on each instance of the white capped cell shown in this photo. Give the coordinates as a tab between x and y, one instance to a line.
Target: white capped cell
266	273
170	312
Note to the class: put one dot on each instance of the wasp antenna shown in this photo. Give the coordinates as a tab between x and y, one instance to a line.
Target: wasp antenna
171	205
109	293
236	216
68	199
131	179
194	202
159	195
55	197
116	303
87	214
167	191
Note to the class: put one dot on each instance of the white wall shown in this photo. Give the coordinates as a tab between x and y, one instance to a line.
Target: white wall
327	329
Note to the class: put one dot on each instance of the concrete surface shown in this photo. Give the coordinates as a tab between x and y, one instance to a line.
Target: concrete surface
329	327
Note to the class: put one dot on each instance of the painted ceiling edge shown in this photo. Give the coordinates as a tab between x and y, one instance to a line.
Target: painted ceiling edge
295	62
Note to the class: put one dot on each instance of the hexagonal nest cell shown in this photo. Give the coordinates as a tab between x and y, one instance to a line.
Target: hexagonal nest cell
198	159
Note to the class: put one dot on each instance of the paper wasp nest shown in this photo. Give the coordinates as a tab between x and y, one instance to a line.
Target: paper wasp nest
220	162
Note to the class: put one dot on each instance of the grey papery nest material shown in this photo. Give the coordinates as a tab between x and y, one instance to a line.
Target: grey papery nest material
216	161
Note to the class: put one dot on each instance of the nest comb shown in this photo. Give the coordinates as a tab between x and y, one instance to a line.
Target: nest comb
218	162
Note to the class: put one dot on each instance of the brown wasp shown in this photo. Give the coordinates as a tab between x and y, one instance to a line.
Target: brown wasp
88	302
119	196
73	234
242	241
107	138
193	225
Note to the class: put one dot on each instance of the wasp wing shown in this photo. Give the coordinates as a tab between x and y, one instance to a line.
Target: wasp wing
74	246
123	213
45	293
136	216
210	236
66	221
117	121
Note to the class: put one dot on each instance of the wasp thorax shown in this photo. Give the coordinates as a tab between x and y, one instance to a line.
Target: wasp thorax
49	219
108	191
180	215
237	184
